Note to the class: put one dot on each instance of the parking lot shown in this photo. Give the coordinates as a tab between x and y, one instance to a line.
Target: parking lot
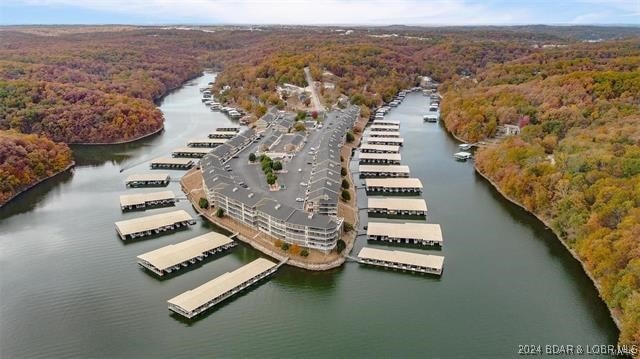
254	178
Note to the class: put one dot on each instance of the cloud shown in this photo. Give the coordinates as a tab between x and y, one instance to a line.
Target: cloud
347	12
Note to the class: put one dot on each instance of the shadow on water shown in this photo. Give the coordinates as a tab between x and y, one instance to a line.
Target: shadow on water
31	199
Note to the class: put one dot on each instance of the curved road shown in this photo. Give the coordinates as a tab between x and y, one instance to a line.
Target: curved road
317	105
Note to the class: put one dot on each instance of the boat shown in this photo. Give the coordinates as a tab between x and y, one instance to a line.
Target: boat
462	156
430	118
465	146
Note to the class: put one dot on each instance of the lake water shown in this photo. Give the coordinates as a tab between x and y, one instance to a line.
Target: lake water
69	287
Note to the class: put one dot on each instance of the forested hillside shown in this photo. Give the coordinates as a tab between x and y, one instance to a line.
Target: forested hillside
576	163
27	159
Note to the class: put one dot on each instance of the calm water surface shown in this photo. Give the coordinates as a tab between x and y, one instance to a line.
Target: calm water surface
70	288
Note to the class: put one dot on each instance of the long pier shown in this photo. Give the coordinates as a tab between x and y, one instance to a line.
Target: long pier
193	302
144	200
148	179
154	224
406	261
174	257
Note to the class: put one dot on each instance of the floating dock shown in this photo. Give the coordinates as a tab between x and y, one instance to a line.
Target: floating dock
194	152
147	179
195	301
143	200
393	185
409	261
426	234
378	127
172	163
462	156
378	134
370	148
206	142
176	256
397	206
380	158
223	134
383	171
393	141
383	122
154	224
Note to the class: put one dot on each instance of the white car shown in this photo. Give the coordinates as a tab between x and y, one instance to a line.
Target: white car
299	169
299	199
303	184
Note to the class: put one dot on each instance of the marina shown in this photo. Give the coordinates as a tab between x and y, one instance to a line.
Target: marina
147	179
371	148
153	224
174	257
381	158
406	261
426	234
383	171
195	152
195	301
394	185
171	163
394	141
143	200
206	142
394	206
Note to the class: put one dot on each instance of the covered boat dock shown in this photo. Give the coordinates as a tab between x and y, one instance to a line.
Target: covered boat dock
147	179
397	206
195	152
427	234
154	224
409	261
206	142
383	171
195	301
172	163
143	200
383	158
392	141
370	148
393	185
176	256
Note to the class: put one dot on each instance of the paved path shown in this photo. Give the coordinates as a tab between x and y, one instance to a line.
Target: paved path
317	105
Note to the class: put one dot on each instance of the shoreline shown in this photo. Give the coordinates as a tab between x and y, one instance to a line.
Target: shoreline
141	137
31	186
296	262
544	221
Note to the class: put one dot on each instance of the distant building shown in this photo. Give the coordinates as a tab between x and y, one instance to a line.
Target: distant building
511	130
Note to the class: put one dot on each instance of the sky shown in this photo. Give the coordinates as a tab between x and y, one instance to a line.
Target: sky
321	12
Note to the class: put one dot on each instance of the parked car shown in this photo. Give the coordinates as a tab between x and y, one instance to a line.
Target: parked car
299	199
299	169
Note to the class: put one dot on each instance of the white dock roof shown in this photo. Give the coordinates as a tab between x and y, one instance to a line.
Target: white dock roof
171	161
384	168
174	254
140	198
409	258
385	122
391	126
384	134
387	148
208	140
396	203
151	176
380	156
192	299
152	222
192	150
420	231
384	139
393	182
